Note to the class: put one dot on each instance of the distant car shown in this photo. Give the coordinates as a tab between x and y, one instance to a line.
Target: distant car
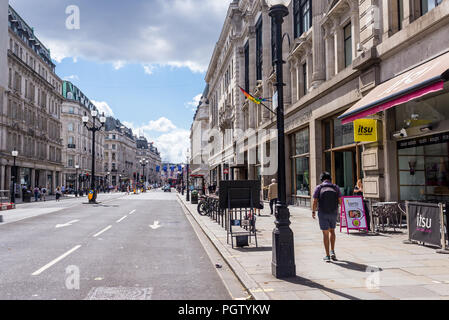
167	189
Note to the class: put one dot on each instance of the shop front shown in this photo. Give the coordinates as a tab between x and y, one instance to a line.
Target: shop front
411	159
300	164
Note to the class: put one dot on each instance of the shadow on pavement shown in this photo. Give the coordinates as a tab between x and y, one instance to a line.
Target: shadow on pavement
355	266
254	249
314	285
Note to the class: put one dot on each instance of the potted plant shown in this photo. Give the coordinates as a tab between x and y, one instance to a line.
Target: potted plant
194	197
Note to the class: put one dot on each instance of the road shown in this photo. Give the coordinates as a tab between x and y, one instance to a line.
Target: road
128	247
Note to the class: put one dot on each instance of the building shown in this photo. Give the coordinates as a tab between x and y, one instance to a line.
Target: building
345	59
31	110
120	153
148	154
77	140
199	158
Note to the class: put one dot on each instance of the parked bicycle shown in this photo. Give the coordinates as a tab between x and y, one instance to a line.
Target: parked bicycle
205	206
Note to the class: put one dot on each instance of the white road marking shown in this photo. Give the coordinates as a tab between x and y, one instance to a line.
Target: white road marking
38	272
104	230
155	225
66	224
132	212
121	219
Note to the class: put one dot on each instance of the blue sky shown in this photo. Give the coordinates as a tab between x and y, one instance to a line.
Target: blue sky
143	62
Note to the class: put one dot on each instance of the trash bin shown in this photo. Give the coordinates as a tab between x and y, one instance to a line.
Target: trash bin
27	196
194	197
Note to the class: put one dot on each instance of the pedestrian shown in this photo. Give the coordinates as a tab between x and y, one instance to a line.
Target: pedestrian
36	193
358	191
58	194
44	192
326	198
261	202
273	194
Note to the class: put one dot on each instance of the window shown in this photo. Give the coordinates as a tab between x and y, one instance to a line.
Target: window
427	5
71	140
400	13
302	16
348	44
304	78
300	163
259	50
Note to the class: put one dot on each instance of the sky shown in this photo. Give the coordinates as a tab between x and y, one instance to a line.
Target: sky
141	61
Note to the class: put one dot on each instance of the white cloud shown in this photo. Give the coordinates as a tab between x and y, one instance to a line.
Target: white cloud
118	64
148	68
71	78
172	143
177	33
194	103
103	107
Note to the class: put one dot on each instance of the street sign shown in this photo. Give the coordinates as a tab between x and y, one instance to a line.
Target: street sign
352	214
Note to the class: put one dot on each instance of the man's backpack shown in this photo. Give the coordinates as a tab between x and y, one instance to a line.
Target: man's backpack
328	199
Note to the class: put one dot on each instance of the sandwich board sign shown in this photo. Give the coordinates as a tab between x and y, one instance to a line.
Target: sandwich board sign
352	214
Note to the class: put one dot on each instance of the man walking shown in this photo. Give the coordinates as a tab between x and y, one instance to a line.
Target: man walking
272	193
326	198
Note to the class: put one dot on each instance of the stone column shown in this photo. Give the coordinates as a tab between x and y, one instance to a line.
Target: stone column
2	177
330	54
316	152
319	70
339	48
355	28
53	178
252	74
33	178
293	81
298	79
310	66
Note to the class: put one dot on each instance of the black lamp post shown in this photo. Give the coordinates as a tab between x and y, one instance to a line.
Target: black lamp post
283	261
187	176
143	163
76	180
94	128
182	180
14	154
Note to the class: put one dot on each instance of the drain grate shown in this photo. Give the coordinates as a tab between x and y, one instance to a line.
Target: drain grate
119	293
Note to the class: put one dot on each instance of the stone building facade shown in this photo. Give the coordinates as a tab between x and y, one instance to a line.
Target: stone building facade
77	140
30	113
120	153
146	151
337	52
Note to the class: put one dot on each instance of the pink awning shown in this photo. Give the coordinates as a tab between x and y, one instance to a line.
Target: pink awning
413	84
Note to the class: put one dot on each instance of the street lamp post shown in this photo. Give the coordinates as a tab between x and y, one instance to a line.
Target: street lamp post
143	163
283	259
94	128
187	176
76	180
182	180
14	154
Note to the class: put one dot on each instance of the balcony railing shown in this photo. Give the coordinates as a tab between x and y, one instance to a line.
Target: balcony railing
71	146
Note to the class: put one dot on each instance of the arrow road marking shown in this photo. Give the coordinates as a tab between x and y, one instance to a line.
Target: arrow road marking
66	224
155	225
121	219
104	230
38	272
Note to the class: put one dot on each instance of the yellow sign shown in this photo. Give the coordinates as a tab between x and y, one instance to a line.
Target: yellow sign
365	130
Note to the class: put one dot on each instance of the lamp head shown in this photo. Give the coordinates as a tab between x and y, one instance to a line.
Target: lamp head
85	119
278	2
77	166
94	113
15	153
102	119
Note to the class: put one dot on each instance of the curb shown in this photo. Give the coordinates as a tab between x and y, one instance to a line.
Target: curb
250	285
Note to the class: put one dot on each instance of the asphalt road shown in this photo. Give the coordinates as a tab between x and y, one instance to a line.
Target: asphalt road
128	247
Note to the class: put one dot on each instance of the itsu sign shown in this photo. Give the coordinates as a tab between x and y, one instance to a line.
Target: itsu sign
424	223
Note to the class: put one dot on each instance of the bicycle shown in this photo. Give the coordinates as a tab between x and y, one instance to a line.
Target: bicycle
204	207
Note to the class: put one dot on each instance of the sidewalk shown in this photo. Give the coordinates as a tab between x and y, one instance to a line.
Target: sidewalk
369	267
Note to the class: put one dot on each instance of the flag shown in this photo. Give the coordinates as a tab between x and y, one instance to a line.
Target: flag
251	98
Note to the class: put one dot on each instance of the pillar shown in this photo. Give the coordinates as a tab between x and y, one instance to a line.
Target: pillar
319	70
33	178
2	177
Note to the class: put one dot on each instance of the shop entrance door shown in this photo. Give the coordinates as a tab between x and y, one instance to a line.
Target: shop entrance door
345	170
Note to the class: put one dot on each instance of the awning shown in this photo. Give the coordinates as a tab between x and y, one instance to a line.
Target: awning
413	84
